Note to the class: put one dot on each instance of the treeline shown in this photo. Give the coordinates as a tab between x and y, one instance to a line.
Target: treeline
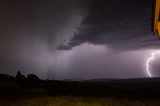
22	86
19	76
29	81
32	85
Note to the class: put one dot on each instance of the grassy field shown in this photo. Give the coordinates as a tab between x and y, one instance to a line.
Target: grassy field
79	101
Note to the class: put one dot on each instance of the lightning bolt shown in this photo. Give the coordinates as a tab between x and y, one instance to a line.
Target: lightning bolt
149	61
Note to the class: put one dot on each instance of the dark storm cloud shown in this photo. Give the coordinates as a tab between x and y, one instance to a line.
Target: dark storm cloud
38	19
85	32
121	24
33	29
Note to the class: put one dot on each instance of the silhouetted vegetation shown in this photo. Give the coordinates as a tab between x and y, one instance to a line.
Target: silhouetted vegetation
19	76
32	85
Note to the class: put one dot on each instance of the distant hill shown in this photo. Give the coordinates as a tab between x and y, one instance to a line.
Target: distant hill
131	80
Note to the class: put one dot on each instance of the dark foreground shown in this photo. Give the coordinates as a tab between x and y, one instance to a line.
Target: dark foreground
79	101
104	92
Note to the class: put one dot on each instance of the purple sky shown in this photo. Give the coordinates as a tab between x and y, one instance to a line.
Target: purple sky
77	39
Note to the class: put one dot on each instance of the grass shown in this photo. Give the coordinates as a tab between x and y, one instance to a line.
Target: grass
79	101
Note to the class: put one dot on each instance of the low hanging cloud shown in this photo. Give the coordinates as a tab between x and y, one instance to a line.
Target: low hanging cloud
120	24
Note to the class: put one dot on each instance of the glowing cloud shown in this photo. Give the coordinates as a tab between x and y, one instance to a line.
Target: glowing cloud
149	61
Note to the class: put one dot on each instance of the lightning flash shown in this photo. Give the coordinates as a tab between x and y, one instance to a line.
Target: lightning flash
149	61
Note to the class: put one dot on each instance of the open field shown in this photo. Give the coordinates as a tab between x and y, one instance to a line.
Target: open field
103	92
79	101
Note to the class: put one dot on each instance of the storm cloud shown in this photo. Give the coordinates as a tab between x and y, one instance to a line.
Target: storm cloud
76	39
121	24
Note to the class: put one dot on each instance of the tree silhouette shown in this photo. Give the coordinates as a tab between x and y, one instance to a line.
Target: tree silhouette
32	77
20	76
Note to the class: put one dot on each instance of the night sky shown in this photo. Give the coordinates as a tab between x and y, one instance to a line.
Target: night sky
77	39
